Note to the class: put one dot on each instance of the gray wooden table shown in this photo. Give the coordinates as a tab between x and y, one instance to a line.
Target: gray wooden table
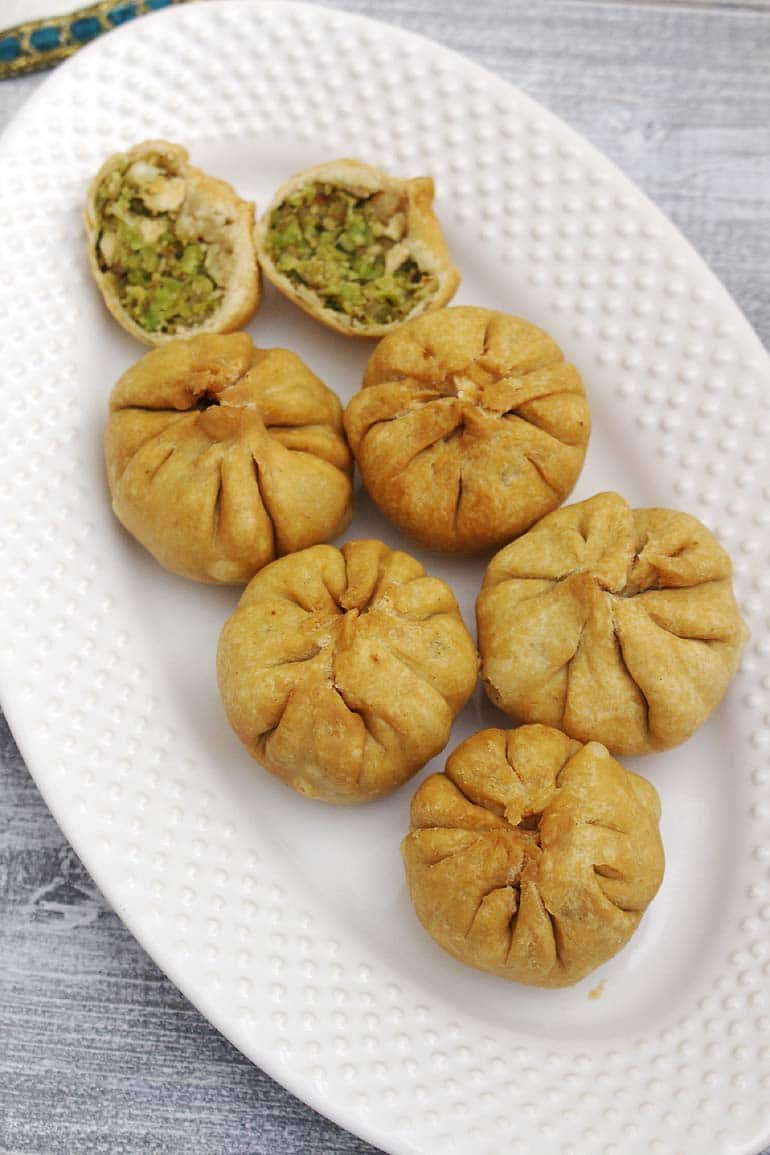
98	1051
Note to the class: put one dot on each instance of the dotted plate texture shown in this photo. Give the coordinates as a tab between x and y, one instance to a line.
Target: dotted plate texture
286	921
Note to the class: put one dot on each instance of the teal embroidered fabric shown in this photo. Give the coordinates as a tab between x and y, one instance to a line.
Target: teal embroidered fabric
40	44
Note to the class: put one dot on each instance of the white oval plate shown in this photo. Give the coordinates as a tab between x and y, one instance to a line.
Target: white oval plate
285	921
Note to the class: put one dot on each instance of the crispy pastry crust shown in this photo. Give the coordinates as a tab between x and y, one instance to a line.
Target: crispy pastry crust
221	456
229	219
424	238
469	427
341	671
533	857
615	624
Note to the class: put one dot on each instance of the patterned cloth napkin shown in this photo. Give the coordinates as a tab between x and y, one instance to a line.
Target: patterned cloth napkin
38	44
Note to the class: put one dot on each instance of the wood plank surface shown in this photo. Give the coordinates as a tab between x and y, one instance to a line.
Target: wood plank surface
98	1051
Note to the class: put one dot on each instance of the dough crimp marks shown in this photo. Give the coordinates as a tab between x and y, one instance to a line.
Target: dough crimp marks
470	426
221	456
343	670
615	624
532	856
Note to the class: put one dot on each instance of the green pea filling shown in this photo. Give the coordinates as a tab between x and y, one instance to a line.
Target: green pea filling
167	277
348	249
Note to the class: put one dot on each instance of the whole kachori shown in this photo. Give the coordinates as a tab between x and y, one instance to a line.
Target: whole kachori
533	856
470	426
612	623
221	456
342	670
